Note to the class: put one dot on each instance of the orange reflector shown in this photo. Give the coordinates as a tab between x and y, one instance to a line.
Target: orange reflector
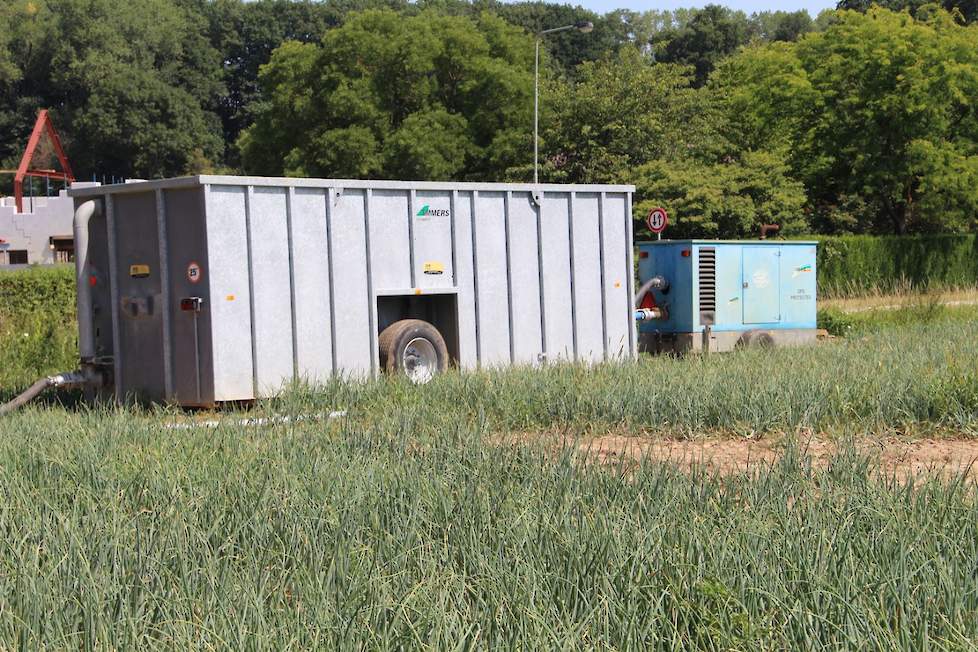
643	254
685	253
92	281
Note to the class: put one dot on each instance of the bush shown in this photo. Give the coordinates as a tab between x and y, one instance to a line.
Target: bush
858	264
48	290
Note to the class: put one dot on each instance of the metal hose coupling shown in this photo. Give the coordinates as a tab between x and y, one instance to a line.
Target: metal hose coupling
77	378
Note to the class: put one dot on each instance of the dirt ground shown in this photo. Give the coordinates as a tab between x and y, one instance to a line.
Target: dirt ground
899	457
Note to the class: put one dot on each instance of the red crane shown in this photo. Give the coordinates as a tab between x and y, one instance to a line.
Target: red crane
24	170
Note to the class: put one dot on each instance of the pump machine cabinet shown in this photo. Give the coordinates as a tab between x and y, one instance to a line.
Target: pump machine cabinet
207	289
726	294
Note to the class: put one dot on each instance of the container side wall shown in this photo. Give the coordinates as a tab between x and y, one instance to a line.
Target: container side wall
618	319
140	306
587	278
227	271
524	262
190	332
432	217
490	232
798	287
314	351
353	334
389	239
271	289
557	281
465	279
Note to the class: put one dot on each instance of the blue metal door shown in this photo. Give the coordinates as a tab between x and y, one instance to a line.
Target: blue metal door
762	285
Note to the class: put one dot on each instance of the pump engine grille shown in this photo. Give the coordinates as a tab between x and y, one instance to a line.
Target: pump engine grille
708	284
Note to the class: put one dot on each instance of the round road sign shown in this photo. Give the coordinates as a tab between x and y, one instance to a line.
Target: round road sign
193	272
657	220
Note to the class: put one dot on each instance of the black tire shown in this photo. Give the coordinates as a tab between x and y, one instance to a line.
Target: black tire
415	348
755	339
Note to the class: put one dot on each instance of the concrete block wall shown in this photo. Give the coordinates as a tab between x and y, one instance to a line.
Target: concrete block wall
31	231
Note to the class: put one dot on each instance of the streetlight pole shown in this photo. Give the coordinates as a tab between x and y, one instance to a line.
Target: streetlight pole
584	27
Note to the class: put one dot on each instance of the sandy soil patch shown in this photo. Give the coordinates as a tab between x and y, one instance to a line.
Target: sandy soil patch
900	457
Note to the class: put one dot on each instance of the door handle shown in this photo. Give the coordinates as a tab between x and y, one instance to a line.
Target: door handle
745	284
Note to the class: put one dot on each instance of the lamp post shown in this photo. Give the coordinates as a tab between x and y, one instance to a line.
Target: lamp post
583	27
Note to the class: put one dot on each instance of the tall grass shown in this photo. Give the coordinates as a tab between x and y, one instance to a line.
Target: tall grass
121	534
885	378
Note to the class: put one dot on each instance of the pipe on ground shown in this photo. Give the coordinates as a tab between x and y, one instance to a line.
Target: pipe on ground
68	379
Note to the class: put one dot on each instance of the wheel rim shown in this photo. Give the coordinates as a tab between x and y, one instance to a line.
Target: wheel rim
419	360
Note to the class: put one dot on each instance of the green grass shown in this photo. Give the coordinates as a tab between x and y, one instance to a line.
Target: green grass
403	525
119	533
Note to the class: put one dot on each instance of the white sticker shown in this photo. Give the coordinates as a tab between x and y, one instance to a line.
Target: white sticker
193	273
761	279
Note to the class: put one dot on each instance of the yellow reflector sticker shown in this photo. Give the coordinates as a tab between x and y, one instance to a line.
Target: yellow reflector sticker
432	267
139	271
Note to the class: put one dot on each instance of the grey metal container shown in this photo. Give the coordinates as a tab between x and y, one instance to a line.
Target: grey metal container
216	288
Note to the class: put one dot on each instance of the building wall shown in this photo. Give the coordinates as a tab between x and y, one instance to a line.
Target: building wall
31	231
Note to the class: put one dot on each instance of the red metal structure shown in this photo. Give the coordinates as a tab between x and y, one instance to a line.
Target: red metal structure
24	170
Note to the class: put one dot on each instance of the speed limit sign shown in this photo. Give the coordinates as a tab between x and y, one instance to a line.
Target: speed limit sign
657	220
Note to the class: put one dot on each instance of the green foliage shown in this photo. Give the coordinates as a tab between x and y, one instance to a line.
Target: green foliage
426	96
722	200
131	85
413	521
37	325
38	291
711	34
619	113
875	113
850	265
835	321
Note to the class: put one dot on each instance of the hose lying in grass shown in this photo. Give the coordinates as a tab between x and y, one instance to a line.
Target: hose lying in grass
68	379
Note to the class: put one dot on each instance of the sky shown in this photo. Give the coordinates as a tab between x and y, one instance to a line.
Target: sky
747	6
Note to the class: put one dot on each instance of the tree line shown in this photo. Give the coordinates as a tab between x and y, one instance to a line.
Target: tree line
856	121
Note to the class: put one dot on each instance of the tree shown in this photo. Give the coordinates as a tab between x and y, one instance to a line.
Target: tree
131	86
877	107
621	112
711	34
730	199
389	96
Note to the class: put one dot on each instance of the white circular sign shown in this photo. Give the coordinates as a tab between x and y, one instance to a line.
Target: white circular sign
657	220
193	273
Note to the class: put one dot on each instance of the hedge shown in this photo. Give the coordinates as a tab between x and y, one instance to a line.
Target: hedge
38	290
859	264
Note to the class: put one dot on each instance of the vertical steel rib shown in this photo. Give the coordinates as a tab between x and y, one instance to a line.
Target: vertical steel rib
289	202
165	294
604	280
630	273
114	294
509	274
329	273
538	210
570	254
371	300
475	278
412	200
249	196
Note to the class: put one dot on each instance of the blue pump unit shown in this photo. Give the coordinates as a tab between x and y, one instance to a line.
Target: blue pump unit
722	294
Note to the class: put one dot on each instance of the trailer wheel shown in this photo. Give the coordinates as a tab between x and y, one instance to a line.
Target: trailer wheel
414	348
755	339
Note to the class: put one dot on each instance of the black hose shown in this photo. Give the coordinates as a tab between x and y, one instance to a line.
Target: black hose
27	396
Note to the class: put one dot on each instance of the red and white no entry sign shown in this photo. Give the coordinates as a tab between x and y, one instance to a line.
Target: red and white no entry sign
657	220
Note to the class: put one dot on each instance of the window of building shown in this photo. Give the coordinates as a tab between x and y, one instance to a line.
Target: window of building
63	248
17	257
